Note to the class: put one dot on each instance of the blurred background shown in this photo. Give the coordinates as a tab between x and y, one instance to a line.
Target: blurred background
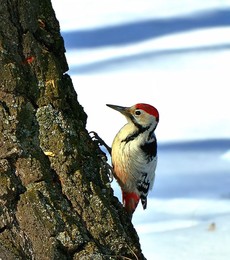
174	55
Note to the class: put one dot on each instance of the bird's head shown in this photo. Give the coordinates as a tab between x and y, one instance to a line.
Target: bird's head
141	115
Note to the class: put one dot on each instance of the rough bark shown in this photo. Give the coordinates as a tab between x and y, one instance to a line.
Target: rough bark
55	198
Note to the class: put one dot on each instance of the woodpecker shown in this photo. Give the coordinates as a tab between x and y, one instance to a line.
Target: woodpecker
134	154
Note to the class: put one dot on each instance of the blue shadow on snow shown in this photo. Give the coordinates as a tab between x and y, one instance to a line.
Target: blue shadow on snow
143	30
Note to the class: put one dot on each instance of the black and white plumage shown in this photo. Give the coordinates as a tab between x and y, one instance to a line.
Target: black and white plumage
134	154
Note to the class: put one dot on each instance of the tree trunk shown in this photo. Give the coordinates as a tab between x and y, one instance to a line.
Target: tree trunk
55	198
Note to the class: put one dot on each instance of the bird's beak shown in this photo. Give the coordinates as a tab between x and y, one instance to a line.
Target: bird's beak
123	110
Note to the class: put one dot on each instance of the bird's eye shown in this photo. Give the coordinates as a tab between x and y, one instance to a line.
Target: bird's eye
137	112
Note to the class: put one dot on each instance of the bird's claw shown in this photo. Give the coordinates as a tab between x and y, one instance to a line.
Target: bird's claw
109	169
95	137
110	175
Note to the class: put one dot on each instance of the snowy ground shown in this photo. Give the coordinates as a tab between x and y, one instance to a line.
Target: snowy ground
174	55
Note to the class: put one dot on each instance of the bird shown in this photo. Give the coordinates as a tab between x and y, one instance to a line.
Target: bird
134	154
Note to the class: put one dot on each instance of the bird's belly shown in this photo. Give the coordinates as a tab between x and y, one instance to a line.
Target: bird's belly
129	164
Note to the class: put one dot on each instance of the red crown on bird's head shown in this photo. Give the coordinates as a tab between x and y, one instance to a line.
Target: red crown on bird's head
149	109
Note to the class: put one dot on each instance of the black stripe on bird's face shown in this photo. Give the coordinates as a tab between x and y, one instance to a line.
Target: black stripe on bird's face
140	130
139	127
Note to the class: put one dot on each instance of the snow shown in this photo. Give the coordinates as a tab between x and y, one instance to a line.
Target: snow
78	14
206	241
174	55
226	156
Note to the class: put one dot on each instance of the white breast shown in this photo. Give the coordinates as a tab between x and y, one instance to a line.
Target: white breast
129	161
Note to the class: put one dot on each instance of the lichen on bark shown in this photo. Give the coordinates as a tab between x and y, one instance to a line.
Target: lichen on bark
56	201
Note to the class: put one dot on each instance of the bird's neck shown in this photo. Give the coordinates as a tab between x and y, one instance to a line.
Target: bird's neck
132	132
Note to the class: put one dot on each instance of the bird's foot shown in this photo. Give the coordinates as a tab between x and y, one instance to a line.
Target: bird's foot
106	167
96	138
